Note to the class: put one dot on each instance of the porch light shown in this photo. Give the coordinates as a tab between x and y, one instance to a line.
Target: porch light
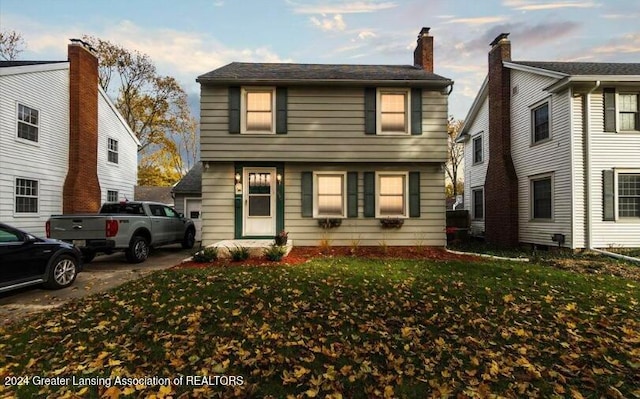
279	178
238	177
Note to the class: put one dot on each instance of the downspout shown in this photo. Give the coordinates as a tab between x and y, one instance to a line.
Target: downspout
587	161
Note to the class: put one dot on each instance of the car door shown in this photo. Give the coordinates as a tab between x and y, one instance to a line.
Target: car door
20	259
177	224
161	224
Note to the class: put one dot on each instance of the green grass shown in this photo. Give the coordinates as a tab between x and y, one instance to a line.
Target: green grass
345	326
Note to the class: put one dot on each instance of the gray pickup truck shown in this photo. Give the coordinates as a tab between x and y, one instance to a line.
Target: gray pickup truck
130	226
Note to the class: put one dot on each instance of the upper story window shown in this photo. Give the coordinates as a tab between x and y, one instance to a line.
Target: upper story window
540	123
477	150
628	104
331	198
26	199
628	195
28	123
112	150
392	195
541	198
258	114
393	114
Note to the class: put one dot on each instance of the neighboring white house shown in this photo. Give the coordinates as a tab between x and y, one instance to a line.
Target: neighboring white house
571	133
40	108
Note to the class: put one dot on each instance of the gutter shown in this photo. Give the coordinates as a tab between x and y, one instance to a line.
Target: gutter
434	83
587	172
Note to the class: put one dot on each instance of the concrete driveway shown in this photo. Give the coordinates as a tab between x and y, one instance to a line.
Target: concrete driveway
103	273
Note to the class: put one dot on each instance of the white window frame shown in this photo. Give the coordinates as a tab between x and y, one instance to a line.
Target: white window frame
473	203
405	194
15	196
109	150
316	186
117	195
243	108
19	121
618	116
533	179
616	193
532	118
473	149
407	109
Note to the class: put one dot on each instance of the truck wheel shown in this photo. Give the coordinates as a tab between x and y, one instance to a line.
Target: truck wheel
138	250
88	255
189	239
63	272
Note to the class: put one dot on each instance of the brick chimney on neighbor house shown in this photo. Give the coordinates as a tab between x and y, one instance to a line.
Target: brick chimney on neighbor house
81	186
423	54
501	184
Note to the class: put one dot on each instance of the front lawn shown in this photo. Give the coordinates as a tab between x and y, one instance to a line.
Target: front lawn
340	327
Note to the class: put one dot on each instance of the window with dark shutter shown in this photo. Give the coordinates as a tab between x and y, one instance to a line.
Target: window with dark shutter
234	110
370	110
281	110
609	109
414	194
352	194
369	180
416	112
307	194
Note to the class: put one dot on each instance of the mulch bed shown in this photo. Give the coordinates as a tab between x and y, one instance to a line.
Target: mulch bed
299	255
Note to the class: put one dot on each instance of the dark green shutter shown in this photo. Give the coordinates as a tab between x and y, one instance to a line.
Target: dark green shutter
369	194
609	109
234	110
414	194
281	110
416	112
608	199
280	200
237	206
352	194
307	194
370	110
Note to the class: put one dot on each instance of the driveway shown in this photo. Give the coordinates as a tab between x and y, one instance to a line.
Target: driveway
103	273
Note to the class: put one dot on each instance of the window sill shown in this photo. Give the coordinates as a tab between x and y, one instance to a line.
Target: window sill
541	221
27	142
628	220
477	163
25	215
628	132
537	143
257	133
393	134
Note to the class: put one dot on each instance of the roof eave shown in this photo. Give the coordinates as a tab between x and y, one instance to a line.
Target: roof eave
570	80
473	111
435	83
531	69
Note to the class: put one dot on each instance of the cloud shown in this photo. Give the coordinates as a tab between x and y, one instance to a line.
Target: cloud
340	7
620	16
219	3
628	44
531	5
366	34
329	24
476	20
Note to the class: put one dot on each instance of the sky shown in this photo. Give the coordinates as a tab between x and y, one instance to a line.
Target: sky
187	38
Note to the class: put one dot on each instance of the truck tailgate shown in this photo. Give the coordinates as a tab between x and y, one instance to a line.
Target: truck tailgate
78	227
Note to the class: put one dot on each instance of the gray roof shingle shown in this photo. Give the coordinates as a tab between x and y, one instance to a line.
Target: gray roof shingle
8	64
585	68
274	72
191	183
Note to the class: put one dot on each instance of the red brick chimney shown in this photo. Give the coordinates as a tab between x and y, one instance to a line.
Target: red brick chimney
81	186
423	54
501	184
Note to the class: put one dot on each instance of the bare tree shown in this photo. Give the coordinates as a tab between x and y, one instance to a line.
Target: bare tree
11	45
455	154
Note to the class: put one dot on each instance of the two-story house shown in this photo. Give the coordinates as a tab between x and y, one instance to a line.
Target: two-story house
552	153
63	145
326	152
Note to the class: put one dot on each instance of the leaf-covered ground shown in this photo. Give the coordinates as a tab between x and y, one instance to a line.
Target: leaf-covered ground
341	327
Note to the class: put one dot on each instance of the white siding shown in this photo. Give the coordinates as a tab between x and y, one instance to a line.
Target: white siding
553	156
578	168
45	161
123	176
474	175
608	151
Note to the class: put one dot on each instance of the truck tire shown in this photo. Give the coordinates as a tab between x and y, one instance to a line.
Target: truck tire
88	255
138	250
189	239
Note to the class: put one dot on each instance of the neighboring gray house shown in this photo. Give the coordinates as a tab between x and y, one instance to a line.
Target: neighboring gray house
552	153
187	195
162	195
301	147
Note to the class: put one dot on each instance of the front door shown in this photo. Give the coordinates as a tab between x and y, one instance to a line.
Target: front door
259	202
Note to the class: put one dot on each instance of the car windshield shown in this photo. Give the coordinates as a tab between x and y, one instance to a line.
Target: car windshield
123	207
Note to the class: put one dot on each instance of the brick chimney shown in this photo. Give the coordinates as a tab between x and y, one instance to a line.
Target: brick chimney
81	186
501	184
423	54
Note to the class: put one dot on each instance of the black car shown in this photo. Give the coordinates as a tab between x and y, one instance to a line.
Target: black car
28	260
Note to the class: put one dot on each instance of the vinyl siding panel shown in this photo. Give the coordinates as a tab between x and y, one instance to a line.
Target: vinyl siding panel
474	175
578	172
218	202
45	161
553	156
324	124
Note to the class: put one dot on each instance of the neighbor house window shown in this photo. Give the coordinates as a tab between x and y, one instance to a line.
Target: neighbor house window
541	198
392	195
628	112
478	203
28	119
628	195
477	150
330	195
258	105
112	150
393	115
26	199
112	196
540	122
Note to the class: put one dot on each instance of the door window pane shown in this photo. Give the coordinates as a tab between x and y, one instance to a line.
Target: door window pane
260	194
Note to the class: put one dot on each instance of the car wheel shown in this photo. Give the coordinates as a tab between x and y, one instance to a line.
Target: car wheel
63	272
138	250
87	256
189	239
